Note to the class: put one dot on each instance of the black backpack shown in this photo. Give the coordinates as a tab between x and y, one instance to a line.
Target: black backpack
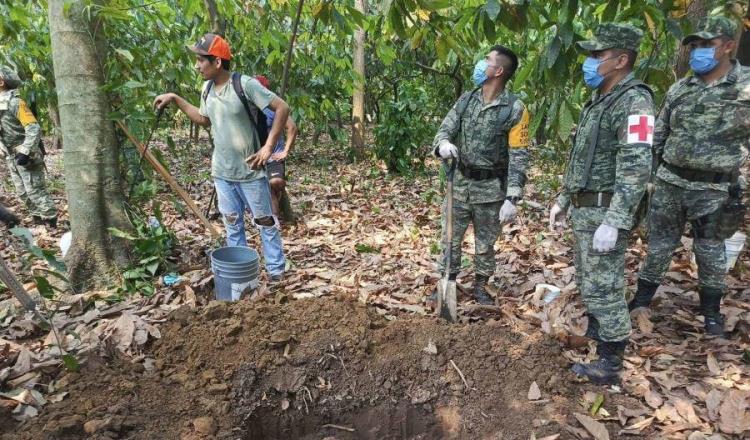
256	115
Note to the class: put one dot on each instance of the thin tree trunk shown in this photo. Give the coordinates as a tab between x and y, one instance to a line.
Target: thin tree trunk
218	26
92	179
358	98
54	117
288	61
743	50
696	10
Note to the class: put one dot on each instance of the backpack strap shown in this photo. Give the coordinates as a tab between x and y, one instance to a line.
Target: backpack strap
591	148
240	91
207	89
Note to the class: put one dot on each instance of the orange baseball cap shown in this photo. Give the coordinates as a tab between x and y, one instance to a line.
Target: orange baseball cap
213	45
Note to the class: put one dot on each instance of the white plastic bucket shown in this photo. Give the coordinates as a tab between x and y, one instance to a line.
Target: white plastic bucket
733	247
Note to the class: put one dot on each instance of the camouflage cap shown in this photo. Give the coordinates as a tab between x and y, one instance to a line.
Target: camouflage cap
712	27
614	36
10	77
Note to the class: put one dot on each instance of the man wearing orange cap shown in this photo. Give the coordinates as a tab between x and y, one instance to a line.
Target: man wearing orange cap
231	104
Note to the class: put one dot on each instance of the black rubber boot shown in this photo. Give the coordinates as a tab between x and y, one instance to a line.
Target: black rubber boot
592	331
606	369
433	296
644	294
713	320
480	291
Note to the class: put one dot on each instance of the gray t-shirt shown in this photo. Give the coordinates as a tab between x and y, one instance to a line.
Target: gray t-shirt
235	139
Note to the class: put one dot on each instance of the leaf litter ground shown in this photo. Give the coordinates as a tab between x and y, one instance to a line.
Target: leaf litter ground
344	347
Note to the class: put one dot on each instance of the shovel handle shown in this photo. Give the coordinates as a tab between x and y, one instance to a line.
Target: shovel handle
450	168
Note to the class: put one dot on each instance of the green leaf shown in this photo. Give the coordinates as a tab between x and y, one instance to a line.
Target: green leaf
366	249
126	54
121	234
44	287
597	404
492	9
554	51
70	362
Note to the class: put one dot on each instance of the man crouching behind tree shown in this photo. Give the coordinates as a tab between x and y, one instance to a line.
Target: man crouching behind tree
238	158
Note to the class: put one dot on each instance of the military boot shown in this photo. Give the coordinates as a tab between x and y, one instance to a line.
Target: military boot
644	294
713	320
606	369
480	290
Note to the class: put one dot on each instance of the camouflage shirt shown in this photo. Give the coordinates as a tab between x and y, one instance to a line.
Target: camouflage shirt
705	127
19	130
488	141
622	158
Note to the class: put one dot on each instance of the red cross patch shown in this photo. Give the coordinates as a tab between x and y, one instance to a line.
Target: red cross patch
641	129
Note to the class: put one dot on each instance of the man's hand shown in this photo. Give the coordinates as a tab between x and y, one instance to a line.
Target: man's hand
22	159
446	150
260	158
556	214
605	238
278	157
507	211
164	100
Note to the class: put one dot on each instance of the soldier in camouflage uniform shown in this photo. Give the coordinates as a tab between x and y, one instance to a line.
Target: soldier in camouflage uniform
702	137
486	131
605	180
20	137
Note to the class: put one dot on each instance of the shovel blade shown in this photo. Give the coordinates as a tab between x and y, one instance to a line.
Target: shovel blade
446	300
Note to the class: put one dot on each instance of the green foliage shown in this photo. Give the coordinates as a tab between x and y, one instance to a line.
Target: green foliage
404	130
152	245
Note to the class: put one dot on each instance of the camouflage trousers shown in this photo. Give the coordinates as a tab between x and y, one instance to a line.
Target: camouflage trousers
601	277
671	208
31	187
485	219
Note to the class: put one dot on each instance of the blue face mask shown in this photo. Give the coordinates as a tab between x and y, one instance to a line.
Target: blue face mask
480	73
591	72
702	60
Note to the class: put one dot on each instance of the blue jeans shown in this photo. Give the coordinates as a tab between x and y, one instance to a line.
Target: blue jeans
254	197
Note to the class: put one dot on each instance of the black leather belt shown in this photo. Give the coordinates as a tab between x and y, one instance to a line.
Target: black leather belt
698	175
589	199
480	173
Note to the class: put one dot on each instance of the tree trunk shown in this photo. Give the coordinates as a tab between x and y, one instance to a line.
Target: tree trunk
218	26
696	10
288	61
743	50
358	99
92	179
54	117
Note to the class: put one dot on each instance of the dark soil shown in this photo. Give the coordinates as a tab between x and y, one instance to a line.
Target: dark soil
316	369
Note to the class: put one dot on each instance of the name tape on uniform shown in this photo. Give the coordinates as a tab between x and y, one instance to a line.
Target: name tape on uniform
641	129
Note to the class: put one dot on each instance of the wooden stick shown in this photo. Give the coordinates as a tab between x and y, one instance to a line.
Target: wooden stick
171	181
343	428
466	384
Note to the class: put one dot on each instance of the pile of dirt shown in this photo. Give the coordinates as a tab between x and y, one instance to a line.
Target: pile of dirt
315	369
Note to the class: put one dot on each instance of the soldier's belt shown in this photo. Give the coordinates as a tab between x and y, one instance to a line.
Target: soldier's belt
589	199
698	175
480	173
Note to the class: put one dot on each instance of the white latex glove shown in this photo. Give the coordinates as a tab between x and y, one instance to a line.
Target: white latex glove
556	214
447	150
507	212
605	238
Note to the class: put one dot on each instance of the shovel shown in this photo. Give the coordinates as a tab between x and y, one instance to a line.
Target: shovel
446	289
